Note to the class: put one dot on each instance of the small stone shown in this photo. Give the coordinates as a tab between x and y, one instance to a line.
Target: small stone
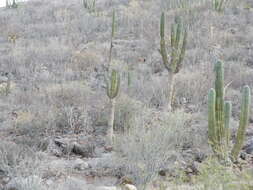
106	188
81	165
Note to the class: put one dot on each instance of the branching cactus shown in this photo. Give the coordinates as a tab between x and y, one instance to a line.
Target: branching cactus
219	114
113	86
178	45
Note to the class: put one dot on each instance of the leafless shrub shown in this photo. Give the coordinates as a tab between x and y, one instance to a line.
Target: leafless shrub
28	183
17	161
152	144
126	111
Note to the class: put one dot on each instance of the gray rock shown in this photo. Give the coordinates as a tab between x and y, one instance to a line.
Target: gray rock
248	148
80	165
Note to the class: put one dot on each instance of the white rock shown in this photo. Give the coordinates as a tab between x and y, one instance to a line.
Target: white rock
129	187
106	188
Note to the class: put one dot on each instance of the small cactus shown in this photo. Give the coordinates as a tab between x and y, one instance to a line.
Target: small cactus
219	114
178	46
112	91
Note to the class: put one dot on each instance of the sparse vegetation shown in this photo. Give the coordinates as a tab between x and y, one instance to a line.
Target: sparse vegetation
84	84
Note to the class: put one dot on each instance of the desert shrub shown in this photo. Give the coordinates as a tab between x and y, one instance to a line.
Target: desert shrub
28	183
214	175
191	88
70	110
17	161
126	111
153	143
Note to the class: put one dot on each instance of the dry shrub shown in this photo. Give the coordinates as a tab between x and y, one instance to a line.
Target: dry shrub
17	161
192	87
85	63
214	175
153	143
126	111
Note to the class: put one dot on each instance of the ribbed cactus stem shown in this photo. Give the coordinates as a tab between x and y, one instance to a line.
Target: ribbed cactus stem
113	29
163	50
113	85
219	105
211	119
227	116
244	122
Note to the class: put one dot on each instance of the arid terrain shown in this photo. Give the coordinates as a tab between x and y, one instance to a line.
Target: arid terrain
115	95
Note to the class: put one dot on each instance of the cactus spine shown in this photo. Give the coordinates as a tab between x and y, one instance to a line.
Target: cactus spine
219	114
178	45
112	92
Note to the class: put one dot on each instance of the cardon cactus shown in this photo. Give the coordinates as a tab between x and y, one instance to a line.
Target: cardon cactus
113	86
178	46
219	114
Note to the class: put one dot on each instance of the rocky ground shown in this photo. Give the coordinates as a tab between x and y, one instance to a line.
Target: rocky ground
53	120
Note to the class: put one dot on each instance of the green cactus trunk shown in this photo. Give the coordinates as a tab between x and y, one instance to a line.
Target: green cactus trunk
113	86
219	102
212	133
171	91
244	122
227	116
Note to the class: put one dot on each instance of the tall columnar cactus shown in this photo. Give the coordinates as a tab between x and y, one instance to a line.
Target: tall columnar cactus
112	35
178	45
219	114
113	86
219	5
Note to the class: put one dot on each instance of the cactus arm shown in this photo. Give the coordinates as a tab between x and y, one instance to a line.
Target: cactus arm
182	52
211	119
113	85
163	50
178	33
112	36
220	5
227	116
244	122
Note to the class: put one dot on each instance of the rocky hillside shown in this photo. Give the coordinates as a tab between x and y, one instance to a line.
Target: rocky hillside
57	110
